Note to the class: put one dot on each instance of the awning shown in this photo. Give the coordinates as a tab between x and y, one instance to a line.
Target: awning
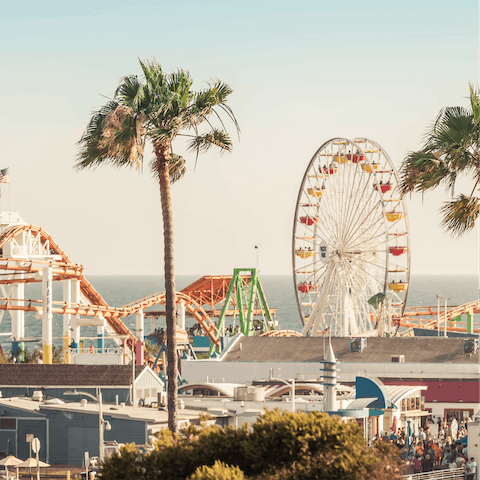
415	413
361	403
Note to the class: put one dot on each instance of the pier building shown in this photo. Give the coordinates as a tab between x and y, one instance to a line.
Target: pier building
448	368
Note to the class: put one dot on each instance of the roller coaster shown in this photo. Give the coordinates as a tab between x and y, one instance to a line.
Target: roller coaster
29	254
27	250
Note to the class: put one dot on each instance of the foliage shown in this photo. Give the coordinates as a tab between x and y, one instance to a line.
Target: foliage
151	348
281	446
157	107
450	152
219	471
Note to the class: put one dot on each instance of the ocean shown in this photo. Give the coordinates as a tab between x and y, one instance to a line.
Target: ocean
279	291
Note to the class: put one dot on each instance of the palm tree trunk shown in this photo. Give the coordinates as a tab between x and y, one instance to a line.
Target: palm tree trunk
170	306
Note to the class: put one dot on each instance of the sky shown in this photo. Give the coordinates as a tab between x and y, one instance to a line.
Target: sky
302	73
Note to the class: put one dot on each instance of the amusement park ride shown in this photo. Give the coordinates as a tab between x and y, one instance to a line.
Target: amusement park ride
351	269
29	255
351	247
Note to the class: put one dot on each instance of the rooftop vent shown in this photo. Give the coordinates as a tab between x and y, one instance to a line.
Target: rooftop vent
470	345
249	393
357	344
397	358
37	395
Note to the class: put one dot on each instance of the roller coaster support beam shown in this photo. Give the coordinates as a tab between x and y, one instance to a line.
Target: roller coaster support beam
101	339
47	315
67	297
181	315
75	320
18	318
140	317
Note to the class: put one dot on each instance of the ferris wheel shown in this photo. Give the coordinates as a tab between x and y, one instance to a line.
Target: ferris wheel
351	247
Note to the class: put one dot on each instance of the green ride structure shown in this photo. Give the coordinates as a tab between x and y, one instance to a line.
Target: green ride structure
247	299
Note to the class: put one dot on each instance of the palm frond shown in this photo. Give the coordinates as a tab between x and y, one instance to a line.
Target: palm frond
130	92
460	214
474	101
214	138
421	171
177	167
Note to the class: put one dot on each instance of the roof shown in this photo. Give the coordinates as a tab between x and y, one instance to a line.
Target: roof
149	415
377	350
60	375
224	389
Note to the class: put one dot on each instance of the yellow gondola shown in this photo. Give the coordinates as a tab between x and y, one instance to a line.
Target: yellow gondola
316	192
394	216
341	158
398	287
368	168
304	253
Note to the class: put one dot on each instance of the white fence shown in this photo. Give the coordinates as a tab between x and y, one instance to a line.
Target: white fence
446	474
97	356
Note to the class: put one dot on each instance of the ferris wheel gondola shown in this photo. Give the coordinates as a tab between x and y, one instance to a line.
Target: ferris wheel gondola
350	241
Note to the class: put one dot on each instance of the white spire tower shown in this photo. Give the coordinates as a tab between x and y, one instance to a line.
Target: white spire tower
329	380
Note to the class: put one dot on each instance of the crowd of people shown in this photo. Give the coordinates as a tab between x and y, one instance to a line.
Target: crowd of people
427	451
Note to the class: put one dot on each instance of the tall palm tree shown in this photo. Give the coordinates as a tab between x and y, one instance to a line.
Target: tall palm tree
451	150
157	108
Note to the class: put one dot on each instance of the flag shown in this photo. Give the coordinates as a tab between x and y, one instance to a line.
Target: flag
4	175
376	300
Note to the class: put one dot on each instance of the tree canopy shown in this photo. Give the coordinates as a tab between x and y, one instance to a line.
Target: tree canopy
450	151
282	446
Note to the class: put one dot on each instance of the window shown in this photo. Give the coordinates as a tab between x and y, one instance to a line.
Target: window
458	413
9	423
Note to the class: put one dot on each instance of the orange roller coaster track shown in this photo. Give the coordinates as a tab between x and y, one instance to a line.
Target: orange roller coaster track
97	305
412	317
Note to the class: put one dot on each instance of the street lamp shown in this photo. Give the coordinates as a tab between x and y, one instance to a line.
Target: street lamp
102	424
257	248
292	385
438	314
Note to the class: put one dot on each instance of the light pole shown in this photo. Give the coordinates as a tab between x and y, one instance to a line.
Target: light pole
102	424
257	248
292	385
438	314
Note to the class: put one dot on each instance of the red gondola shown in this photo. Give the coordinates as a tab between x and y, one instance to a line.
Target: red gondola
327	170
397	251
308	220
385	187
355	157
306	287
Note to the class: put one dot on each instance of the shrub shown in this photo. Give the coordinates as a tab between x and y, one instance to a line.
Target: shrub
219	471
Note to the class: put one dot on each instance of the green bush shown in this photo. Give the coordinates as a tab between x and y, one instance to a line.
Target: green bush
280	446
305	439
219	471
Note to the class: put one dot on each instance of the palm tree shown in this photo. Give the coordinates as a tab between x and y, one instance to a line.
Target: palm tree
158	108
451	150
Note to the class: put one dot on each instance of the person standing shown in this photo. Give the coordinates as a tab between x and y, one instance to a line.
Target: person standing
417	464
471	469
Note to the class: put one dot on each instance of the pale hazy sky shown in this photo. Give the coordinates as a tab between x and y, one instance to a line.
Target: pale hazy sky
303	72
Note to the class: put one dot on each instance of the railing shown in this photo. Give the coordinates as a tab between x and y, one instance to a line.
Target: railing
93	350
445	474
